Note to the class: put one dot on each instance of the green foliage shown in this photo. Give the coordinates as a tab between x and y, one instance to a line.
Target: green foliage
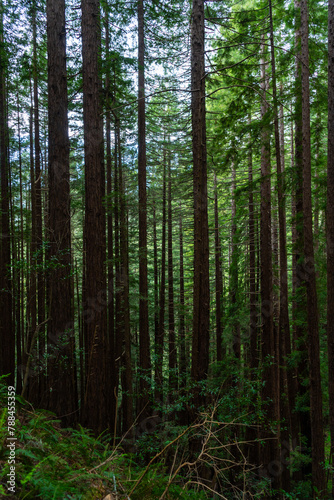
53	463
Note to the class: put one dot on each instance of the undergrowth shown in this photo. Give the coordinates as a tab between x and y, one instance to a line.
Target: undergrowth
53	463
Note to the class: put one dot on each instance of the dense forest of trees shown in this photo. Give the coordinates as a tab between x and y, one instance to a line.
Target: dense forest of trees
167	233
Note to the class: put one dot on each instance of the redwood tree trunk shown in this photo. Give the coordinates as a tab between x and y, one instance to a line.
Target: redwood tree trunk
269	392
159	341
7	334
318	457
330	225
144	338
94	405
283	323
218	279
234	279
111	365
298	276
61	367
172	357
201	295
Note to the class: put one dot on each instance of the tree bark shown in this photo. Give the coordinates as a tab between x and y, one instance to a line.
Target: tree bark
269	393
111	366
125	308
144	338
318	457
201	291
61	343
94	405
330	226
172	352
7	334
159	341
234	278
218	279
283	324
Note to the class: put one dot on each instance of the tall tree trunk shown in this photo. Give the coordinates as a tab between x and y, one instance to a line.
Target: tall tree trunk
31	289
234	278
111	365
318	457
156	273
7	334
124	282
40	342
251	433
218	279
298	278
183	358
61	342
283	324
330	226
172	353
94	405
159	341
201	294
20	330
144	338
269	393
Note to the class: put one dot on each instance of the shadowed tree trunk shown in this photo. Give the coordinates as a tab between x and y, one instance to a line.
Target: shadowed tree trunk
298	278
124	327
218	279
269	451
95	403
201	295
61	366
144	338
172	353
159	341
234	279
253	355
7	335
283	323
111	365
330	225
318	457
183	359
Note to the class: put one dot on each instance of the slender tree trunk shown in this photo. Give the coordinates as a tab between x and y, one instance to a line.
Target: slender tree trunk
118	318
330	226
318	458
218	279
156	274
269	451
144	338
283	324
7	333
124	278
159	341
111	365
183	358
253	331
32	388
94	405
40	343
20	330
234	279
201	294
298	278
251	433
172	353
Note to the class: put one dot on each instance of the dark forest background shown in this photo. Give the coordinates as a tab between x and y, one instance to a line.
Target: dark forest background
167	247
